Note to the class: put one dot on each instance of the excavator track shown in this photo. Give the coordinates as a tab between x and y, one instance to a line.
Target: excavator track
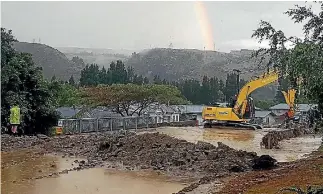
236	126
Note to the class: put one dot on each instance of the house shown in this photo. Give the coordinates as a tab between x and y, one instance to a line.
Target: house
163	113
67	112
282	108
265	117
192	111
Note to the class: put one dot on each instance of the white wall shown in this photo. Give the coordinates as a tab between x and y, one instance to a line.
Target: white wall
199	118
279	111
269	120
175	118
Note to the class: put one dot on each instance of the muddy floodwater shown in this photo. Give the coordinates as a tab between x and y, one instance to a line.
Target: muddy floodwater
20	167
24	172
248	140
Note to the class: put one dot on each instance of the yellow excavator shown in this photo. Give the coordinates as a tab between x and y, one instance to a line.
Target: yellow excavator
242	110
290	101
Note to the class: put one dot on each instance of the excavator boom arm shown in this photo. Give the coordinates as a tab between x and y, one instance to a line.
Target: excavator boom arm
263	80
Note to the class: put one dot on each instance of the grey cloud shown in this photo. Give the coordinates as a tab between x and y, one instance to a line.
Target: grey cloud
141	25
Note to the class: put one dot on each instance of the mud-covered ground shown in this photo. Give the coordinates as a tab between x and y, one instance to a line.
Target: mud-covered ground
202	162
155	151
300	173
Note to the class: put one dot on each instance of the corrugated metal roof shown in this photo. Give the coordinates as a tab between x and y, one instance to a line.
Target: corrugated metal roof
191	108
301	107
67	112
262	114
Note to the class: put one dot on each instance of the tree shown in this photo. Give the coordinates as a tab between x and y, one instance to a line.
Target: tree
157	80
130	99
264	104
22	84
79	61
90	75
71	81
302	65
64	94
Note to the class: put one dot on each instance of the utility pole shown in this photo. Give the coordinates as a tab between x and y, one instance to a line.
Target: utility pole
238	79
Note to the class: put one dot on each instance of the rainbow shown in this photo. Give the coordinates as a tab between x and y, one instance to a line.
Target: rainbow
205	24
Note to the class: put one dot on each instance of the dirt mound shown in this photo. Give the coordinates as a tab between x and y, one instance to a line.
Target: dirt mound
272	139
146	151
162	152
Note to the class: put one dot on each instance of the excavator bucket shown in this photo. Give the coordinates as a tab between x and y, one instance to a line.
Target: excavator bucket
290	97
290	100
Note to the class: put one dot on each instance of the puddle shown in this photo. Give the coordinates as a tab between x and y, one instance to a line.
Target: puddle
247	140
19	167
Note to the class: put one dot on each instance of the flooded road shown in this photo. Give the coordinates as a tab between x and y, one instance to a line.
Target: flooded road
18	168
248	140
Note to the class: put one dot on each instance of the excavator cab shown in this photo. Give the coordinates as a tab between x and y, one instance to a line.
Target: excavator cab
250	109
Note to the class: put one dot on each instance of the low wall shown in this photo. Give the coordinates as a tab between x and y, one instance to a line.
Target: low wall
189	123
272	138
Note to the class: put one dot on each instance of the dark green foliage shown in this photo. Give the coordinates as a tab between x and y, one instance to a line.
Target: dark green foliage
130	99
265	104
71	81
117	73
22	84
301	65
64	94
211	90
283	86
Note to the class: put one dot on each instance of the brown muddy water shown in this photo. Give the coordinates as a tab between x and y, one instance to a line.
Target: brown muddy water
19	167
248	140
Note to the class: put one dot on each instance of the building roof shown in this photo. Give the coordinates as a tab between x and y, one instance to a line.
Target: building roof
67	112
100	112
284	106
191	108
198	108
263	113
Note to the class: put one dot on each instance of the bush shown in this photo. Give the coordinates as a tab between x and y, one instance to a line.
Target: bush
22	84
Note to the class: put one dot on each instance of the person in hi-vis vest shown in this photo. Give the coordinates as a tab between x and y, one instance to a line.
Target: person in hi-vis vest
14	118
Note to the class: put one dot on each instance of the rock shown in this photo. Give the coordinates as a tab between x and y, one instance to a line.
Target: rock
42	136
236	168
264	162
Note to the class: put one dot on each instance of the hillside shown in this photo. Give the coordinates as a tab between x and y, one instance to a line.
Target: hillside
177	64
102	57
51	60
174	64
171	64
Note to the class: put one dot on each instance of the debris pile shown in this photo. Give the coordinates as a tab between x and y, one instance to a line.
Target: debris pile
271	139
146	151
162	152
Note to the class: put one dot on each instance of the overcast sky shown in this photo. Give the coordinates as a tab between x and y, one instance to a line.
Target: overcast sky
141	25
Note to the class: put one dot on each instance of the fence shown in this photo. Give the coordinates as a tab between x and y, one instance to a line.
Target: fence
84	125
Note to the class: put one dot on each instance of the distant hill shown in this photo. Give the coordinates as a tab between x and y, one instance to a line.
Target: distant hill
51	60
171	64
179	64
174	64
102	57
